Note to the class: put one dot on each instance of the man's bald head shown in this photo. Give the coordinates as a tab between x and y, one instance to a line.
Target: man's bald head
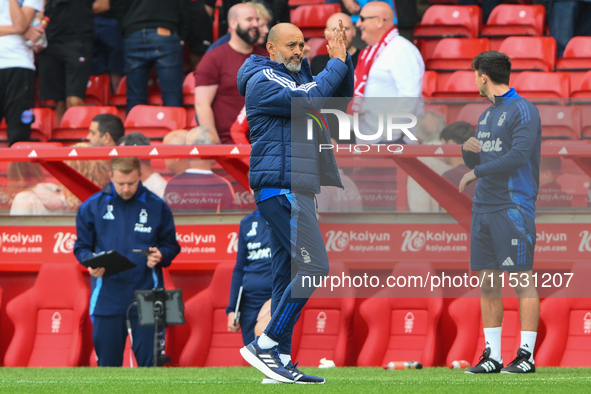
333	22
176	165
378	19
281	30
200	135
238	10
176	137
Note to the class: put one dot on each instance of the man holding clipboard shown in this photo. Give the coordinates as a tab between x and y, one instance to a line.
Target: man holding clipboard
112	225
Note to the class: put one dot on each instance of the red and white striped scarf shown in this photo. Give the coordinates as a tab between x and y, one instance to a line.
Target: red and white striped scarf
366	58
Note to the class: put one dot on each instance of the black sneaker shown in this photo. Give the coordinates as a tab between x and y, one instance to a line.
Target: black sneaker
302	378
486	364
521	364
267	361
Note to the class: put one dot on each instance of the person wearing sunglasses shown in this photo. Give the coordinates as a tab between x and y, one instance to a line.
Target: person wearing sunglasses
390	66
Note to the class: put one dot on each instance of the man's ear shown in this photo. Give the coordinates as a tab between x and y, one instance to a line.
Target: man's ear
232	24
271	48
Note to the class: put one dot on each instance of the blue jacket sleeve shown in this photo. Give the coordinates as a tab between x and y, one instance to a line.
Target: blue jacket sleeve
167	243
85	233
238	274
273	92
525	134
346	88
471	159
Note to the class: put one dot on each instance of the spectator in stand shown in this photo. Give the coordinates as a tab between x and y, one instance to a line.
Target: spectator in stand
105	130
567	19
17	68
391	66
177	165
153	181
152	32
551	194
107	51
32	195
264	19
427	130
217	100
97	171
200	30
198	188
66	64
457	133
319	62
252	272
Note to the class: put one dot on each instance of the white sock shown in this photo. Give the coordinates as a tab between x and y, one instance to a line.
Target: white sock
492	336
528	342
265	342
285	358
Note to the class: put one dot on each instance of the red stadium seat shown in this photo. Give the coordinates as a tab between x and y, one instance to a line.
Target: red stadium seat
401	329
459	84
429	83
40	128
440	21
76	122
317	46
469	342
514	20
210	343
452	54
154	121
119	99
530	53
560	122
542	84
48	323
576	60
584	89
98	90
324	326
568	327
470	113
311	19
189	90
586	123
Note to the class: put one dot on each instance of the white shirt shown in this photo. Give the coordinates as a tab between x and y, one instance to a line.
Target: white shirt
397	72
156	184
13	51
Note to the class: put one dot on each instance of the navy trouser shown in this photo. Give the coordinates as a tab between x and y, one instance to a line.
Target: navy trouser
294	236
249	311
109	334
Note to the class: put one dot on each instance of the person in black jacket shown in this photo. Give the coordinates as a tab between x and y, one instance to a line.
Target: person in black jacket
152	32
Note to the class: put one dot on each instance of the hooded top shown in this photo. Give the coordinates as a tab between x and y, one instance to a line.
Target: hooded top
107	222
282	157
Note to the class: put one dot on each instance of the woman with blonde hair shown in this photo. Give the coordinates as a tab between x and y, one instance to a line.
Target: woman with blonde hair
97	171
32	195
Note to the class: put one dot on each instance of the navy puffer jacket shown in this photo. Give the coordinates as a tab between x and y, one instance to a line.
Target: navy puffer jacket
282	156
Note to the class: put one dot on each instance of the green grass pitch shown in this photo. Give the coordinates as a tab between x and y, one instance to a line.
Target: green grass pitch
247	380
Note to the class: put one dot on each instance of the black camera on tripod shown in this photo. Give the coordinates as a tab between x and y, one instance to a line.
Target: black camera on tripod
160	308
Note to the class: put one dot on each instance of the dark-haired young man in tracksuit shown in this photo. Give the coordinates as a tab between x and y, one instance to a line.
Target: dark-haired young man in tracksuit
505	158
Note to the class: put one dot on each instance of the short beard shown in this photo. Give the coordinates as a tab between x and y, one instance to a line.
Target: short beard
293	68
245	36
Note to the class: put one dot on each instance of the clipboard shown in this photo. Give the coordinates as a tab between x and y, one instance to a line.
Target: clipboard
112	261
237	309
